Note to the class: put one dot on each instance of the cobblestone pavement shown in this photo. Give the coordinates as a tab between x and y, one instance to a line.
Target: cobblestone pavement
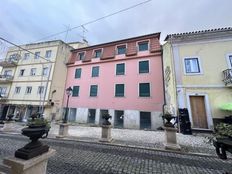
75	157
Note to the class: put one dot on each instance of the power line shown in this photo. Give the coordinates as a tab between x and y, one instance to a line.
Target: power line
95	20
24	49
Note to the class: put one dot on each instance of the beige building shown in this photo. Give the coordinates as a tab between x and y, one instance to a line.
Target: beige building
34	80
198	76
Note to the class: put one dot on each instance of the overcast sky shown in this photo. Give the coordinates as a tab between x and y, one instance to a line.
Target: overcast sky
26	21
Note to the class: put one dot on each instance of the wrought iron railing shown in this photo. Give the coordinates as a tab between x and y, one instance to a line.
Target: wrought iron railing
227	76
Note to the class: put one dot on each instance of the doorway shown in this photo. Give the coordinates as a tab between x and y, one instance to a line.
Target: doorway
91	116
118	119
145	120
198	111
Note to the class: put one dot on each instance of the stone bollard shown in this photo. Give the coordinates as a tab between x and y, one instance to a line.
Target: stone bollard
171	141
106	129
32	166
63	131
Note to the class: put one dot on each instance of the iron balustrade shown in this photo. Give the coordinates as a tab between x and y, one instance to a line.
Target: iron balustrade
227	76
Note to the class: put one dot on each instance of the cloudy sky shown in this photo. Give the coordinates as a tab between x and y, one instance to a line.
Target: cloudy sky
26	21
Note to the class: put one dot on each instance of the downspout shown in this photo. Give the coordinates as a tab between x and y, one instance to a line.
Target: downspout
162	63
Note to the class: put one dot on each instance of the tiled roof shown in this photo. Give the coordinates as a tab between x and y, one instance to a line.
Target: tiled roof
178	35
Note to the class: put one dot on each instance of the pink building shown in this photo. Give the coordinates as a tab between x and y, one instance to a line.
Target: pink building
123	78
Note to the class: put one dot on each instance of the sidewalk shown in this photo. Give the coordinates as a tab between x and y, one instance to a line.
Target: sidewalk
196	143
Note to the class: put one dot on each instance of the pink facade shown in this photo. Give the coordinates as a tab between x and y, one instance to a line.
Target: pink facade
107	78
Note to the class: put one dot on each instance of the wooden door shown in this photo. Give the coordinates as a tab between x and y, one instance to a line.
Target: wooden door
198	111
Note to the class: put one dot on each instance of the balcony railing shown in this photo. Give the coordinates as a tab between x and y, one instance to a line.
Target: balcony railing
6	78
3	97
227	76
11	62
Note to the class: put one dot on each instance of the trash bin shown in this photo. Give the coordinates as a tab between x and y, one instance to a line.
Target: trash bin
185	124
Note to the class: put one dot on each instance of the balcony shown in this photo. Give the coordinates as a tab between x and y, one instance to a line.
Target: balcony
3	97
11	62
6	78
227	76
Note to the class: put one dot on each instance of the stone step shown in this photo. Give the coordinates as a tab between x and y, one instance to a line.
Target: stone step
4	169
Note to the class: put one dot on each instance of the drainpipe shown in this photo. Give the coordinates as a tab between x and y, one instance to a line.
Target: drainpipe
163	79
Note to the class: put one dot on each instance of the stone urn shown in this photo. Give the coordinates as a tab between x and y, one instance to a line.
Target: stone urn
168	118
37	128
10	117
106	118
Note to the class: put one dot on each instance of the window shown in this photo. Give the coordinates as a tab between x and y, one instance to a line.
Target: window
7	73
78	73
37	55
191	65
21	72
48	54
75	91
26	56
143	46
120	69
230	60
3	91
144	90
97	53
28	90
40	90
45	71
17	89
93	90
33	71
81	55
121	49
144	66
95	71
119	90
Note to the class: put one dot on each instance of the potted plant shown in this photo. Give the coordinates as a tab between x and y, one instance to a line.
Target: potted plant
37	127
106	118
223	139
168	116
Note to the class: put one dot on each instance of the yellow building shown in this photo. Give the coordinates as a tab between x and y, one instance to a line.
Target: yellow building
34	80
197	74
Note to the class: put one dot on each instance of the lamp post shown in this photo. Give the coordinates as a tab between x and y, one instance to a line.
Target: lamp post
68	92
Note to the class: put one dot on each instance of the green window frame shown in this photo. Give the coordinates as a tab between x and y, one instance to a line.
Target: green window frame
78	73
144	90
120	69
81	55
75	92
93	90
119	90
144	66
143	46
97	53
95	71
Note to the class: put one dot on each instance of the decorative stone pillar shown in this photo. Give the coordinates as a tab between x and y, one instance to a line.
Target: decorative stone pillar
63	131
106	129
34	165
171	141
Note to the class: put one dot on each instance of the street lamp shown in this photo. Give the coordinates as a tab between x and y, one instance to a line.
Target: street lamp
68	92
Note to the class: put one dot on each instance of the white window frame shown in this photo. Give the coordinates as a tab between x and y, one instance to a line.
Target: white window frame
17	87
26	57
149	65
26	92
228	60
116	48
40	87
90	90
199	63
115	90
78	55
98	71
23	72
33	73
37	56
46	71
150	85
141	41
93	53
124	69
49	55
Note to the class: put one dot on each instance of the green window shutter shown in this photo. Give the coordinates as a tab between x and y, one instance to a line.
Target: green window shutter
119	90
93	90
78	73
144	66
120	69
144	89
95	71
75	91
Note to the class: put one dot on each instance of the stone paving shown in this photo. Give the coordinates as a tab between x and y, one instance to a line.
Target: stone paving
74	157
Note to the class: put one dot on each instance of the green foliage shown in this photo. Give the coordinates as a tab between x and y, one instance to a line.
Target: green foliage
38	122
223	130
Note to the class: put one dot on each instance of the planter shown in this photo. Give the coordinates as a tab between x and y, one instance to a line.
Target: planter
168	119
222	145
36	129
106	118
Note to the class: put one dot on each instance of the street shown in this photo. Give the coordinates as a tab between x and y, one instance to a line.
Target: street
75	157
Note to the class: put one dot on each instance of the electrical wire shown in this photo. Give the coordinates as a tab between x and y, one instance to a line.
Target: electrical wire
95	20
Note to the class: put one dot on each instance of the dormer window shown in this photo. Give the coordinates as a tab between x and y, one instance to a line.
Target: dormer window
81	55
97	53
121	49
143	46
